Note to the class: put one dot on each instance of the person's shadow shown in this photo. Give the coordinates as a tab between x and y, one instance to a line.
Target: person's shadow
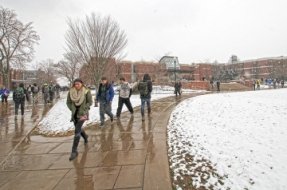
148	136
126	135
83	181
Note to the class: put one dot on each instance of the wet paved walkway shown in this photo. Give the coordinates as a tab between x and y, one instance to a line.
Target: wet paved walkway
125	154
13	130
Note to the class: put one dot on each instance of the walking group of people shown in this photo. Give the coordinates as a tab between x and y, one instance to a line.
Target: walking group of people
79	101
21	94
272	83
50	92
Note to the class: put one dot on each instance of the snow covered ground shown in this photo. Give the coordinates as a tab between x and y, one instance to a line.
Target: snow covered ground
230	141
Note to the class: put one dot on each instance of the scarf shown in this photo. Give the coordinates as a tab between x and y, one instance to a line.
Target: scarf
76	96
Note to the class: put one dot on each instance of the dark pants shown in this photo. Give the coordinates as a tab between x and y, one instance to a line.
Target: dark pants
123	101
17	105
78	133
105	108
147	101
177	91
4	98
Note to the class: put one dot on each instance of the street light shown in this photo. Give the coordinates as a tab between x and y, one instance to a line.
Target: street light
174	61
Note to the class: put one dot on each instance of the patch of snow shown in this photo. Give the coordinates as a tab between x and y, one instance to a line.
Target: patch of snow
63	81
230	141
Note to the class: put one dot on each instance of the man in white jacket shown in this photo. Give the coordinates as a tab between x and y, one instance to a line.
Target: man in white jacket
125	92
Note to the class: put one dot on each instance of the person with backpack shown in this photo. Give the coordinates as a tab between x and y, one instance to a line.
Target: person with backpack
51	93
105	97
19	95
125	92
177	88
4	93
145	89
29	93
35	90
218	86
45	92
79	101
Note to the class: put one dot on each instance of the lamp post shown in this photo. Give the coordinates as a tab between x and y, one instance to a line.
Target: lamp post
174	62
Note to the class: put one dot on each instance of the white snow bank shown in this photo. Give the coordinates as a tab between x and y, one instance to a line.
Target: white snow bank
230	141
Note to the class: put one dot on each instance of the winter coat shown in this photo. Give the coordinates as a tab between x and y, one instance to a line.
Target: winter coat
4	92
149	86
84	107
19	94
124	90
108	94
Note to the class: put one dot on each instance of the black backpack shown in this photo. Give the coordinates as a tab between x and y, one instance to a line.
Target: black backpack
19	94
143	88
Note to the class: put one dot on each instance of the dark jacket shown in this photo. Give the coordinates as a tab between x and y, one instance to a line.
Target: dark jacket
84	107
108	94
149	86
19	97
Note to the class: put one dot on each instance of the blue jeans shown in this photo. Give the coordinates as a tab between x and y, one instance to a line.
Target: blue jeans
143	101
105	108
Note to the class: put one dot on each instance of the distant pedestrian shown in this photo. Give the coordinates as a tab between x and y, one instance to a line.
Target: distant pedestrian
218	85
254	84
105	96
211	84
177	88
145	89
19	95
51	92
125	92
79	101
282	83
35	91
45	93
258	84
29	93
4	93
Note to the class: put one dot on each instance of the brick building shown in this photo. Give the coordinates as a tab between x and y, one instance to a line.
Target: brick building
161	74
273	67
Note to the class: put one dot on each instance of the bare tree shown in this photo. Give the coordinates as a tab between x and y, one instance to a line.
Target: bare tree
69	67
96	41
16	42
46	71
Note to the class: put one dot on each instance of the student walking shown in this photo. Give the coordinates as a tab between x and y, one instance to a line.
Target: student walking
79	101
105	97
125	92
145	89
19	96
4	93
35	91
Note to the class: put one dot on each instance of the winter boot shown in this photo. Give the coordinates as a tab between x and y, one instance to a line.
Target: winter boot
74	153
85	136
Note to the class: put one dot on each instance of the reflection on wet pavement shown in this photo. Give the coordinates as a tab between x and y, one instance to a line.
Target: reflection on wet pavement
13	129
125	154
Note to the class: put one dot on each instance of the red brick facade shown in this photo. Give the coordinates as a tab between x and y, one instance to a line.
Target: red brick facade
133	71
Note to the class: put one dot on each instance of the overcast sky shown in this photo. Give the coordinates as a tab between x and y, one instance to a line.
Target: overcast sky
193	30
